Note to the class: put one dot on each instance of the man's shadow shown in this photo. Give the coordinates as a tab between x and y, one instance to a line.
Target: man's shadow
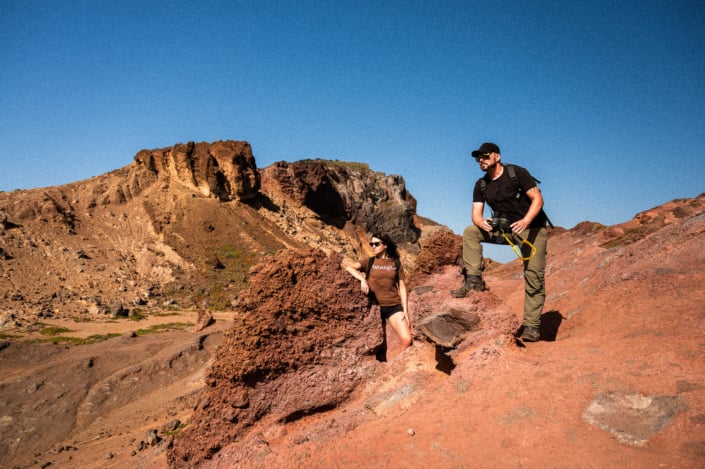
550	323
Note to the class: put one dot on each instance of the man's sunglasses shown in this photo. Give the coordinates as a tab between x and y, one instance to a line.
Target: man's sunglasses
483	156
374	244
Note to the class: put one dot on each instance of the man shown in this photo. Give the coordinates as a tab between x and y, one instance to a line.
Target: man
512	194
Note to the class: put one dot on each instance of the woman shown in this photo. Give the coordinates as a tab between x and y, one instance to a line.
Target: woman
384	277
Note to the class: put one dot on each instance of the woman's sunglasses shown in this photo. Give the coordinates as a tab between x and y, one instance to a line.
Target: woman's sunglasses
374	244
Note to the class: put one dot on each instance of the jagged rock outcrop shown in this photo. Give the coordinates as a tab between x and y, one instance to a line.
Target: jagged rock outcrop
306	335
341	193
301	321
224	169
303	344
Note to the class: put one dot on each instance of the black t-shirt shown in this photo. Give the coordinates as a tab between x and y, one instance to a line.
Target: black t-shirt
505	200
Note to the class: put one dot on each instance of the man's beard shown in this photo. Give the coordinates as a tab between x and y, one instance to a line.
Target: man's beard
489	167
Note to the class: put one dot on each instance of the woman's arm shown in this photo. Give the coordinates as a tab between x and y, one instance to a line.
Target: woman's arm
355	270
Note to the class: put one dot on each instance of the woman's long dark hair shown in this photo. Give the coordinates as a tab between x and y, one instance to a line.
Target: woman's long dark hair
391	246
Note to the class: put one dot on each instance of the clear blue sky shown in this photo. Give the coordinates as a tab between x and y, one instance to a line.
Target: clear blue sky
604	101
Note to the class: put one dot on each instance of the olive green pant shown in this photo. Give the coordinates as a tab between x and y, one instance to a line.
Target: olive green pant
534	268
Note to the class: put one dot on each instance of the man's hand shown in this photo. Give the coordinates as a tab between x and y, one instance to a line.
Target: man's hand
486	225
519	226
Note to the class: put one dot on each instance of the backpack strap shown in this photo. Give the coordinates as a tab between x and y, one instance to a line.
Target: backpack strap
512	174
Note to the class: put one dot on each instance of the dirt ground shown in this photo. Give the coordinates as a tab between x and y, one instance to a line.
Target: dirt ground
116	393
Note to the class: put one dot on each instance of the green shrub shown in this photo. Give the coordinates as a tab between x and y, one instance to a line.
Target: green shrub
93	339
171	326
54	330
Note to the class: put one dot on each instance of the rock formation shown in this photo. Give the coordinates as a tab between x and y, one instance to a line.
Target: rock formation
225	170
181	226
341	193
306	335
298	347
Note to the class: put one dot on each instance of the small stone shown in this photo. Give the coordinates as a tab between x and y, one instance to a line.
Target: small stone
204	404
171	426
411	432
152	438
230	415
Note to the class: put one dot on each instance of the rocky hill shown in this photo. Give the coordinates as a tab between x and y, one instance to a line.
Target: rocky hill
179	227
295	370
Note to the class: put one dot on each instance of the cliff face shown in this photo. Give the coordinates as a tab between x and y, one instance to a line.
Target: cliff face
182	226
225	170
342	193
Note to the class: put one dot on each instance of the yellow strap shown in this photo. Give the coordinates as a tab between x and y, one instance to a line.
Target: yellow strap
516	249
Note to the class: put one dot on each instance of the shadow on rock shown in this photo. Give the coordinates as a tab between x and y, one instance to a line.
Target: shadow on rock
550	323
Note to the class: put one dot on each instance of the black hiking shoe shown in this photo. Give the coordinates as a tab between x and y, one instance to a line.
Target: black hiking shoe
530	334
472	283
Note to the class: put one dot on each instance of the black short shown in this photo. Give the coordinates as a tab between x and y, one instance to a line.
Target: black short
389	311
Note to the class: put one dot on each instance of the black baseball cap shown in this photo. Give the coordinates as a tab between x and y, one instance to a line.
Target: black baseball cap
486	147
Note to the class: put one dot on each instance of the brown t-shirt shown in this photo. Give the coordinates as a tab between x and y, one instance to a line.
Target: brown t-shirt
383	280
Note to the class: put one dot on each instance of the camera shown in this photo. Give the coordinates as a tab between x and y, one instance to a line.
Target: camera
500	224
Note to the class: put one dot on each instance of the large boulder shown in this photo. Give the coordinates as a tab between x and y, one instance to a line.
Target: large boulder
301	321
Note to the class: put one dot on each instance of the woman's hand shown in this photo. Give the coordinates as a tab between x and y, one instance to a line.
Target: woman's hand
364	286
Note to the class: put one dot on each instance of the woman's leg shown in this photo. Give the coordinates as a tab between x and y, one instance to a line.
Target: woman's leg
401	327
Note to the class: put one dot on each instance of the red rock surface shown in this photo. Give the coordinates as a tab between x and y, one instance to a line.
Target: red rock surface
297	348
617	382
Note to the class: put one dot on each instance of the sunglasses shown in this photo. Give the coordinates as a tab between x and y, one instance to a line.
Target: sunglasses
483	156
374	244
